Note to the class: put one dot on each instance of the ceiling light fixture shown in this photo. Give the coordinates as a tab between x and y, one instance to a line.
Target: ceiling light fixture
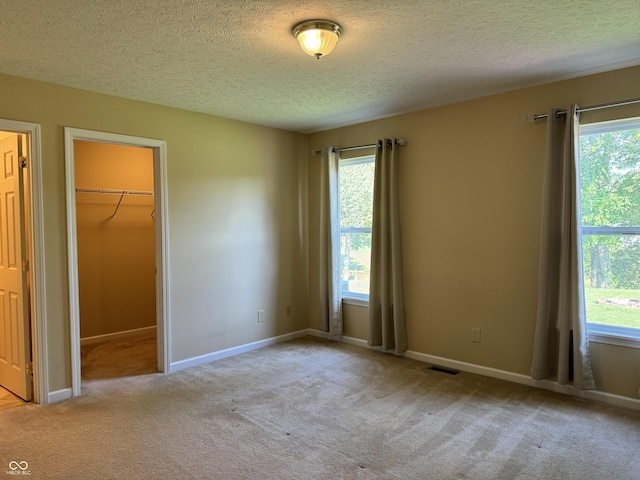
317	37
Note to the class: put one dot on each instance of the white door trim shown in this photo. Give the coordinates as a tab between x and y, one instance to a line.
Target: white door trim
39	356
159	148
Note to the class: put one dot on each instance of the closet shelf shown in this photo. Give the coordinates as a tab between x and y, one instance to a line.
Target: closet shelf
122	193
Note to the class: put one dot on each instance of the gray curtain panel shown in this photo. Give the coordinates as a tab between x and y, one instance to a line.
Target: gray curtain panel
387	326
561	347
329	255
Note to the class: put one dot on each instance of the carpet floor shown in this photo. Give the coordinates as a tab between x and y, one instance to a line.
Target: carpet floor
9	400
120	357
314	409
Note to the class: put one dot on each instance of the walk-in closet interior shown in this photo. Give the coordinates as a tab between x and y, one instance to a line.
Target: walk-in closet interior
116	259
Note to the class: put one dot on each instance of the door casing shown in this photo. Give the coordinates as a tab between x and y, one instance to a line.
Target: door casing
161	234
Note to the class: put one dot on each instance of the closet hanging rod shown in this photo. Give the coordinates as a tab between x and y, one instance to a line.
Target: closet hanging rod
622	103
105	191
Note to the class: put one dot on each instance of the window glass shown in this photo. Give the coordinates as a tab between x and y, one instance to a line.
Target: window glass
356	210
612	279
610	215
609	175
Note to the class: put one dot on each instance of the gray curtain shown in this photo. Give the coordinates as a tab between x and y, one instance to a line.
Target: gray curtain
561	347
387	326
329	255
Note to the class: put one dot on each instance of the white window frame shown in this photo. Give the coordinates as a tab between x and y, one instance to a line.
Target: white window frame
354	298
599	333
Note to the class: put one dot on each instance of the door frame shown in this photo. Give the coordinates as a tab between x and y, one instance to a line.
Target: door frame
159	149
37	291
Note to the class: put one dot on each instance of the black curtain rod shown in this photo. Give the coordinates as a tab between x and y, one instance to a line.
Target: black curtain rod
400	141
540	116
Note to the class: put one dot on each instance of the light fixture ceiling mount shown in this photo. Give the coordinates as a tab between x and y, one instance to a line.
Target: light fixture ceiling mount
317	37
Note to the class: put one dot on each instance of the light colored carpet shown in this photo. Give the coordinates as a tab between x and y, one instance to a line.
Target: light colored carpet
120	357
313	409
9	400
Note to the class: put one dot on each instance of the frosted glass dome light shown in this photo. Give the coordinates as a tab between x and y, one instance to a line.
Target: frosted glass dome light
317	37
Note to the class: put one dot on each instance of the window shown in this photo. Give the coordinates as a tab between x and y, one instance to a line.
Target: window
610	203
356	213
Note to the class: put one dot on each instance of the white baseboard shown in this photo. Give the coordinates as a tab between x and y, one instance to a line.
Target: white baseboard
596	395
59	395
112	336
210	357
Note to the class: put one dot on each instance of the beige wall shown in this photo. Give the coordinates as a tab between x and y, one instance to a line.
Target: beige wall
237	213
243	220
116	254
471	183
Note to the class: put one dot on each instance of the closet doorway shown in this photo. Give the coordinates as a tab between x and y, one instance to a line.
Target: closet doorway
116	246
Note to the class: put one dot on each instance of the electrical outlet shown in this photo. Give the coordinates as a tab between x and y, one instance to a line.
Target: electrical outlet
260	316
475	335
287	311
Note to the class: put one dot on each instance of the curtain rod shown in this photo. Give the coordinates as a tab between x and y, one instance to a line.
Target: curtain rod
400	141
540	116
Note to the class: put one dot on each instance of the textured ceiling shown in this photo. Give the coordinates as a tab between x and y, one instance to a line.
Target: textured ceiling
238	59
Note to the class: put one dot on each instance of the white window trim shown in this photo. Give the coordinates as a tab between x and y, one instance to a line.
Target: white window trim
359	299
599	333
613	335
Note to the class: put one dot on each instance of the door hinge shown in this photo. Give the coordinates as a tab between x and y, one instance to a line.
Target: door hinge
25	266
29	368
23	161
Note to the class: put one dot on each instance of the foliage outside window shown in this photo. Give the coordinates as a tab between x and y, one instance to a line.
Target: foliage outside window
610	211
356	214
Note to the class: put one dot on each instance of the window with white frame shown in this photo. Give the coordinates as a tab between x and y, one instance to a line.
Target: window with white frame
609	193
356	214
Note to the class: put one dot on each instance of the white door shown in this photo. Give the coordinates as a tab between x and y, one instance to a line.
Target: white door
15	340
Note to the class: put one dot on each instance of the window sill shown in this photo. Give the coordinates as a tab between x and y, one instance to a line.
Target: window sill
358	301
621	336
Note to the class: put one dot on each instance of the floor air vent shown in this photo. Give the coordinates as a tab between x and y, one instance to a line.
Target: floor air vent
448	371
